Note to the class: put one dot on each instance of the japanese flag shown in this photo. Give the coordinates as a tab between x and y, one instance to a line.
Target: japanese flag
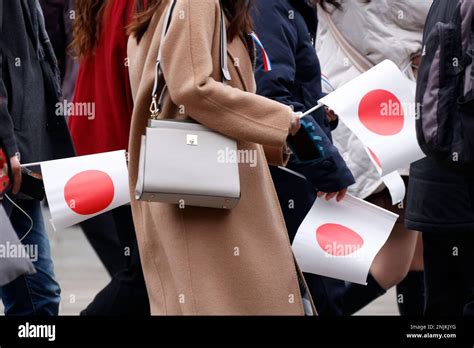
379	107
341	240
80	188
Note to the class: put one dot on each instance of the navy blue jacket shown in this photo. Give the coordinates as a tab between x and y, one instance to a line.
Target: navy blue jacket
287	29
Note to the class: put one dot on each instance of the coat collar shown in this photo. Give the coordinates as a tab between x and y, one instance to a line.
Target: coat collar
240	47
233	55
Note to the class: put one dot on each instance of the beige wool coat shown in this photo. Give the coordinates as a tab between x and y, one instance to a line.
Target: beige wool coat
201	261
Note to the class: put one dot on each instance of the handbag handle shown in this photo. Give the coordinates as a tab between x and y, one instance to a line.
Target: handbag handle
156	105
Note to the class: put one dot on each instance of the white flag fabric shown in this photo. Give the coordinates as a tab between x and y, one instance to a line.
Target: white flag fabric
396	186
341	239
393	181
80	188
14	258
379	107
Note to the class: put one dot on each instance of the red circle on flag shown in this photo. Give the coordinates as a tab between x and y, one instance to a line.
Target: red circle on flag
89	192
338	240
381	112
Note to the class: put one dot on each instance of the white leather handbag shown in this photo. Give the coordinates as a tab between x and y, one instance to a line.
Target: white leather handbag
179	160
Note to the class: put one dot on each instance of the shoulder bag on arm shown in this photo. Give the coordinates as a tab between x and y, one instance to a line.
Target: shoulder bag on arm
179	160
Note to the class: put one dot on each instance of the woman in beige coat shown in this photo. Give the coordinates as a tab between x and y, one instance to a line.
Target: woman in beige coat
201	261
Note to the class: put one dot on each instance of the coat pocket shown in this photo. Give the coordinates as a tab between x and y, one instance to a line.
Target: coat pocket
14	82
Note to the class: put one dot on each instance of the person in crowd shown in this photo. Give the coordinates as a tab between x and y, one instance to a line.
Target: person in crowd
295	80
441	194
353	37
59	16
189	255
100	40
30	132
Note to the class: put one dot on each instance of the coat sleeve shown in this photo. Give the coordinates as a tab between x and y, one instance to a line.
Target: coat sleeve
279	37
7	136
188	67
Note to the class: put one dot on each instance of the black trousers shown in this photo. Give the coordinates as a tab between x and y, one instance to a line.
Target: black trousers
101	233
113	237
449	274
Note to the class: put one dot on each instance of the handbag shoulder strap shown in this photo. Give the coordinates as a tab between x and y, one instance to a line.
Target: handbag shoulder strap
156	105
358	60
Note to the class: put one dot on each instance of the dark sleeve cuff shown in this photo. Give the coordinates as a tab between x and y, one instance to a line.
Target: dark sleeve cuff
9	146
333	125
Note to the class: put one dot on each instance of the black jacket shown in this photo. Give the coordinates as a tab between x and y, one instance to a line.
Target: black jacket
440	195
57	15
29	86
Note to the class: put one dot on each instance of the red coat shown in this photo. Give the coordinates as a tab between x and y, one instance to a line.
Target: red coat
103	82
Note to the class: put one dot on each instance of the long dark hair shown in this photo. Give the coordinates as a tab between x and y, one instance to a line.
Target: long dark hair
87	26
237	10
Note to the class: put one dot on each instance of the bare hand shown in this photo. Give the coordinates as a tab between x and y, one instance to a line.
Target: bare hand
416	60
295	124
16	173
331	115
339	195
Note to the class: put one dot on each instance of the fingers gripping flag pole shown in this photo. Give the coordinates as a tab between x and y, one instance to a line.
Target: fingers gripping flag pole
379	107
341	239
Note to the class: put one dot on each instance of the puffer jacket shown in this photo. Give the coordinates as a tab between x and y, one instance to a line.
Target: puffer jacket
379	30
